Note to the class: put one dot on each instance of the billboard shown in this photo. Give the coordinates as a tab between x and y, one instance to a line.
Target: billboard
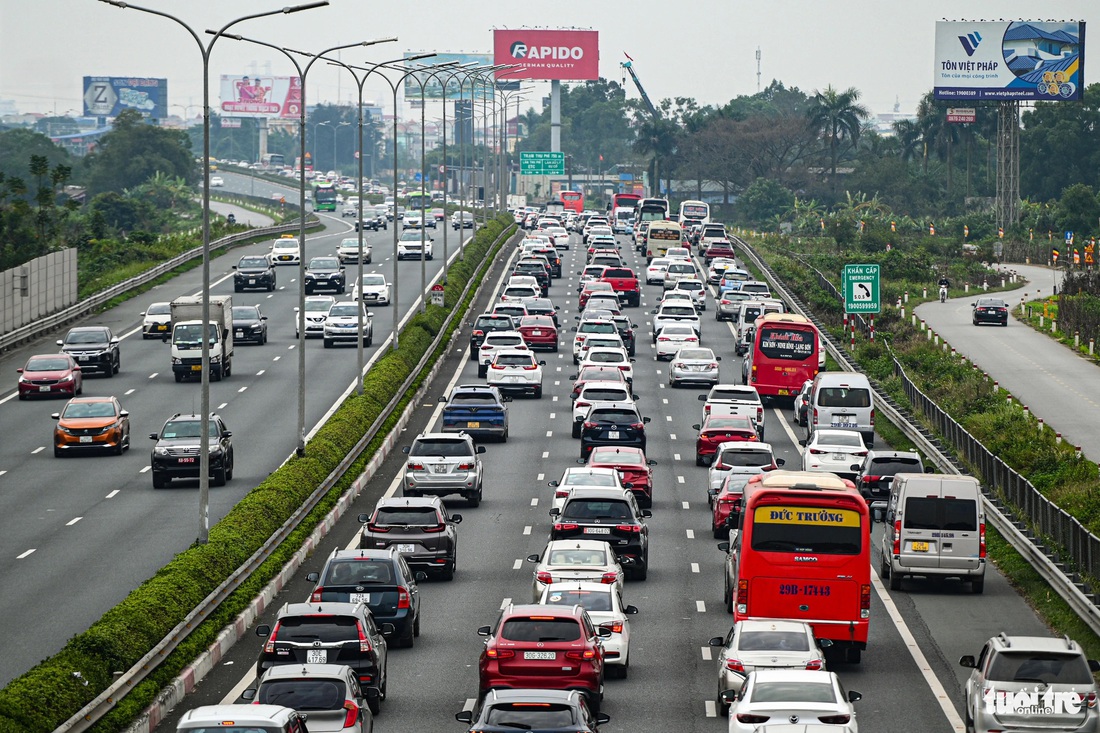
1009	60
107	96
433	87
542	54
261	96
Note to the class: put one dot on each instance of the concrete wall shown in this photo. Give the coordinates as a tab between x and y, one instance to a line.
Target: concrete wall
51	286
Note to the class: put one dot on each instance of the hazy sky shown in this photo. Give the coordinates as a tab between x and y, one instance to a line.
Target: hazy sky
704	49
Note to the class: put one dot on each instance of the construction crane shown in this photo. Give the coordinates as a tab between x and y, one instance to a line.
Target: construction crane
628	67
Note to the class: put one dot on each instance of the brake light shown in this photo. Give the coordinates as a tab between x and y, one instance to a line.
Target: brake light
561	493
352	714
981	544
860	453
637	426
486	347
835	719
663	338
752	719
872	416
865	600
728	499
416	466
315	597
609	578
500	653
432	530
872	478
544	577
479	332
633	528
706	409
564	526
1090	699
377	528
580	403
815	664
615	626
269	647
465	467
742	596
691	338
712	365
759	414
590	425
815	416
581	654
816	452
403	598
531	368
364	642
897	537
735	665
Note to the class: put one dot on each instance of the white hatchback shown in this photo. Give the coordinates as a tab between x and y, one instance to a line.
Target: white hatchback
497	341
610	357
516	370
655	271
286	251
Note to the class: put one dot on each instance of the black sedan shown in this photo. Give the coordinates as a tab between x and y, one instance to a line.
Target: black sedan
249	325
989	310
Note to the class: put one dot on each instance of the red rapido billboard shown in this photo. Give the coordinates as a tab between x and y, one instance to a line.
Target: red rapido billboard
541	54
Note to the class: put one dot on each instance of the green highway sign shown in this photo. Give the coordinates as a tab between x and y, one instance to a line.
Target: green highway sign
861	289
542	164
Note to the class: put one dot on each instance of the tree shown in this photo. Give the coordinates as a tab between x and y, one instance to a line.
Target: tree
836	115
1059	146
763	200
1078	210
18	145
134	151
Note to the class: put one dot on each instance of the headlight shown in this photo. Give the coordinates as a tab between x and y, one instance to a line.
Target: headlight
66	378
215	450
162	452
23	379
176	360
257	326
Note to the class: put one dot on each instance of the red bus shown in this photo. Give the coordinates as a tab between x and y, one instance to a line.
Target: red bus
802	551
573	200
784	355
625	200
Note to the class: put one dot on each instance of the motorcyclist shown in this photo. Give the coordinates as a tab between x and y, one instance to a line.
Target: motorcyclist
231	219
944	284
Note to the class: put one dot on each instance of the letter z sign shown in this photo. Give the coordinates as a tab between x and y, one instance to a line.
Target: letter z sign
861	289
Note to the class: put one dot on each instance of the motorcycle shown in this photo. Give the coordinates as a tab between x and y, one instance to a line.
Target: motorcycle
231	219
943	293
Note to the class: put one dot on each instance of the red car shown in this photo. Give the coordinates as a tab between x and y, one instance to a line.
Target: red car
726	503
539	332
591	287
717	430
543	647
47	375
718	248
633	468
595	374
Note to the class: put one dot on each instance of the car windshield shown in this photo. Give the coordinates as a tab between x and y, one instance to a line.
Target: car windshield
350	243
318	627
86	337
613	416
844	397
89	409
586	478
677	310
605	357
186	429
318	305
374	279
839	438
253	262
787	693
697	354
744	458
577	557
731	394
245	312
473	398
893	465
420	516
46	364
540	629
597	509
677	331
440	447
605	394
960	515
191	333
484	322
324	263
718	423
589	600
303	694
597	328
616	457
288	245
161	309
359	571
778	641
1040	667
344	310
515	360
530	716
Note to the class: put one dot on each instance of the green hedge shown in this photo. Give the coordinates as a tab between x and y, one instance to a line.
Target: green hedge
48	694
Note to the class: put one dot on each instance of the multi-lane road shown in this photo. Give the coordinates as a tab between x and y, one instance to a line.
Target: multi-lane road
909	676
79	533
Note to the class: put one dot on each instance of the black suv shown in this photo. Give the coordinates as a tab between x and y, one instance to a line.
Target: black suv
325	273
176	454
254	271
607	514
626	333
249	324
535	270
543	307
486	323
876	473
93	347
552	256
380	578
612	425
329	633
420	528
373	220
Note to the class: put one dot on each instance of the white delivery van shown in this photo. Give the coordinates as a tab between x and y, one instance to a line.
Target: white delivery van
842	400
935	526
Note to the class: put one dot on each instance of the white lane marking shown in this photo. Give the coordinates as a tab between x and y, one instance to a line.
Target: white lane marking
535	501
223	405
558	368
73	521
557	383
664	400
546	454
555	399
680	480
260	373
662	386
154	375
2	473
25	554
129	391
706	653
527	530
145	470
668	418
540	477
470	702
676	456
277	358
553	415
112	495
915	652
12	396
517	564
701	606
691	534
549	433
685	504
291	347
695	567
39	449
712	708
672	436
504	603
242	389
787	428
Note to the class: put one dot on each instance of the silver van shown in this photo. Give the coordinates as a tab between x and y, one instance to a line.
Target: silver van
935	526
842	400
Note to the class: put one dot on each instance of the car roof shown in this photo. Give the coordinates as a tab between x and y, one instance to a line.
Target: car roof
753	445
443	436
872	454
603	384
532	695
212	716
592	471
597	492
537	609
400	501
332	608
772	624
297	671
378	553
1035	643
794	675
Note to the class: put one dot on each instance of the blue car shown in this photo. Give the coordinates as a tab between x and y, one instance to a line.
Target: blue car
477	410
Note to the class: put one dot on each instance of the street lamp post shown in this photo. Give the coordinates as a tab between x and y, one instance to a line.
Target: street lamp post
204	409
302	73
338	126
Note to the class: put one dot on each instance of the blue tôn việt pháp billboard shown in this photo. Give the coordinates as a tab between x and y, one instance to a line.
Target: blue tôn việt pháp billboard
107	96
1009	60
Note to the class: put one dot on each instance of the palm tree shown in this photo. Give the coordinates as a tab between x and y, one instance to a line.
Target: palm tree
836	114
657	137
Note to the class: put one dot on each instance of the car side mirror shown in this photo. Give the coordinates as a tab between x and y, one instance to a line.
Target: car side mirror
729	696
645	420
724	547
702	398
854	696
602	718
855	467
802	442
363	518
573	329
929	469
542	363
717	641
480	449
696	426
234	267
465	716
154	436
420	576
573	376
973	304
405	450
555	512
603	633
968	661
249	694
456	519
878	511
484	630
227	434
718	358
313	577
780	461
647	514
1094	666
552	483
712	492
263	631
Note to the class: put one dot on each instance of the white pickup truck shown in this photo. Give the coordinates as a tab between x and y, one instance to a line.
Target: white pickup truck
735	399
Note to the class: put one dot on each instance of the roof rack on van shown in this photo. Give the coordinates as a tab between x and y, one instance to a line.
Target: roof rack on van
1004	639
1070	643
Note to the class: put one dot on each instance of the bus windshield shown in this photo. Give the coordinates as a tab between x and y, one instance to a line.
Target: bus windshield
780	342
324	198
418	201
807	530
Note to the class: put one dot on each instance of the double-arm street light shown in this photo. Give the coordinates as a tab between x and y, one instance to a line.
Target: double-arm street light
204	409
303	71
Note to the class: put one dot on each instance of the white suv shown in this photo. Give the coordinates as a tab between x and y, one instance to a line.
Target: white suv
516	370
342	324
374	289
408	246
494	342
348	251
317	307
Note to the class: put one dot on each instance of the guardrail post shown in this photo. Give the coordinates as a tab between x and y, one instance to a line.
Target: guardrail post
1042	320
906	296
1053	326
1092	346
966	287
1057	438
1077	339
1008	400
925	293
1040	425
996	387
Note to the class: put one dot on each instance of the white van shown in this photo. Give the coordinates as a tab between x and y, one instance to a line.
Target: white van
842	400
935	526
747	314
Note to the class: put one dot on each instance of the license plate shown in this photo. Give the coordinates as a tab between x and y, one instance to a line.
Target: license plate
439	469
186	460
43	388
83	358
920	547
613	435
85	439
536	333
196	367
162	327
549	656
359	598
240	333
784	393
843	424
840	456
473	424
316	656
597	530
406	548
251	281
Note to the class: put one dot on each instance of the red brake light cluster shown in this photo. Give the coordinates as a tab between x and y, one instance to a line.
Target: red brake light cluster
364	642
865	601
404	600
315	597
609	578
352	713
269	647
565	526
544	577
735	665
581	654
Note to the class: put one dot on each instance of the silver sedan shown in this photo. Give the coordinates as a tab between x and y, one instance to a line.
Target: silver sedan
693	364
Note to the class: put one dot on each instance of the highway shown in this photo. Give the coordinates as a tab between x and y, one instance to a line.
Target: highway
77	534
909	677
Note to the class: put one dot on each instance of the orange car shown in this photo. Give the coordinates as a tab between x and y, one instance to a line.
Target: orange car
91	422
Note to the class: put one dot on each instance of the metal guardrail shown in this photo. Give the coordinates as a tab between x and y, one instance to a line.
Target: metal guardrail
93	302
106	700
1004	490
